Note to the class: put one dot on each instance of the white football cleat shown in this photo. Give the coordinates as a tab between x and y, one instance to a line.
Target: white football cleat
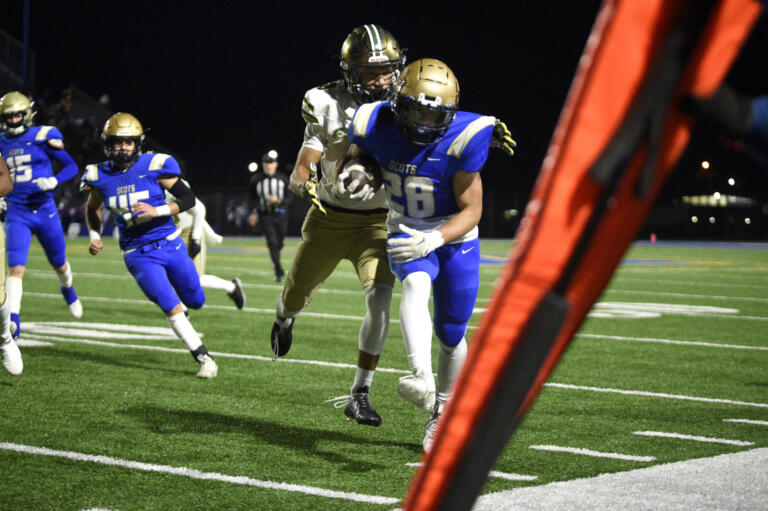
76	309
208	368
12	357
419	389
430	430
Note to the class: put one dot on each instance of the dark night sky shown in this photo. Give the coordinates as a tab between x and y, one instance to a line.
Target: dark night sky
220	83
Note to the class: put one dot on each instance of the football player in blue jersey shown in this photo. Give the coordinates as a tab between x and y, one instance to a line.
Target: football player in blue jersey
8	348
430	155
132	184
29	152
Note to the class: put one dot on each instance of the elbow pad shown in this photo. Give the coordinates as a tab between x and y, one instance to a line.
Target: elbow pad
185	199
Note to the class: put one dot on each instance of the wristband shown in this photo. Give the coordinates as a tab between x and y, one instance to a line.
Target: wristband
95	236
164	210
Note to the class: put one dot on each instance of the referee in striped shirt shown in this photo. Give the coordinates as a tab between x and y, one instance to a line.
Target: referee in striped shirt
269	196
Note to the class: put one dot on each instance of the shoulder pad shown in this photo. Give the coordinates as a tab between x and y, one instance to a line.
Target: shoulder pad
319	100
91	173
470	130
50	134
362	118
158	161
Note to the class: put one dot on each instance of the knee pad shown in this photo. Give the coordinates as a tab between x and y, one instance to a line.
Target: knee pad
450	334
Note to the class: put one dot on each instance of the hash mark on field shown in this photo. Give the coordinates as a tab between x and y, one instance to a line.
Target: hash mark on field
695	438
589	452
655	394
747	421
197	474
494	473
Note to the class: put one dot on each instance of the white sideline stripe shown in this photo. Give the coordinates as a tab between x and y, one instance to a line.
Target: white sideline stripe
670	341
727	481
589	452
655	394
747	421
197	474
40	337
495	473
696	438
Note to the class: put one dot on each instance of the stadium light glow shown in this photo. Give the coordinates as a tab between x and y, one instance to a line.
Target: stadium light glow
253	166
694	219
705	165
711	220
731	181
747	220
716	195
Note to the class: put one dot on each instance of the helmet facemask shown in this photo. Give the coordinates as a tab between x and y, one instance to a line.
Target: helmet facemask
15	104
370	46
425	101
118	128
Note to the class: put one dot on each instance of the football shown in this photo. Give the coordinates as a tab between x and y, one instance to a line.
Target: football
365	169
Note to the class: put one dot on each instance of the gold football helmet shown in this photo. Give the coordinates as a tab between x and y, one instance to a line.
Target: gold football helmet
11	104
369	46
118	127
425	100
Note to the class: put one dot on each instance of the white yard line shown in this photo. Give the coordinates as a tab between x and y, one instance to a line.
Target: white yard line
33	336
197	474
589	452
509	476
671	341
747	421
695	438
654	394
697	283
688	295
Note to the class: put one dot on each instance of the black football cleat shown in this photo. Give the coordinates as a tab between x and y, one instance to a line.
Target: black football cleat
360	409
281	339
238	295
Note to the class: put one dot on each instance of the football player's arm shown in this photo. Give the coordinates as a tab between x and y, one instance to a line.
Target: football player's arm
304	180
468	190
93	220
185	199
68	169
301	171
6	183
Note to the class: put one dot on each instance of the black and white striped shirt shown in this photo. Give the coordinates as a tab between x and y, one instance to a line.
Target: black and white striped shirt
262	186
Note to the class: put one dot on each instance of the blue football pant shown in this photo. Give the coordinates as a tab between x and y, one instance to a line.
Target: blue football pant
166	274
455	273
44	222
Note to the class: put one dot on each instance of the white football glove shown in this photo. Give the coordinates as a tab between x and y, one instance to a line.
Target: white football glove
3	205
46	183
354	190
418	245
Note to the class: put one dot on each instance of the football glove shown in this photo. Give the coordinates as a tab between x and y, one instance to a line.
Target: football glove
46	183
310	188
364	193
194	248
3	205
416	246
502	138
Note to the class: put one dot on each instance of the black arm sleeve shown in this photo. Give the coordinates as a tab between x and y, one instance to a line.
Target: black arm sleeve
184	196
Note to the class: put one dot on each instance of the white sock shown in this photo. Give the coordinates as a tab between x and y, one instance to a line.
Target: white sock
450	360
185	331
214	282
66	277
283	316
415	321
13	290
5	322
363	378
